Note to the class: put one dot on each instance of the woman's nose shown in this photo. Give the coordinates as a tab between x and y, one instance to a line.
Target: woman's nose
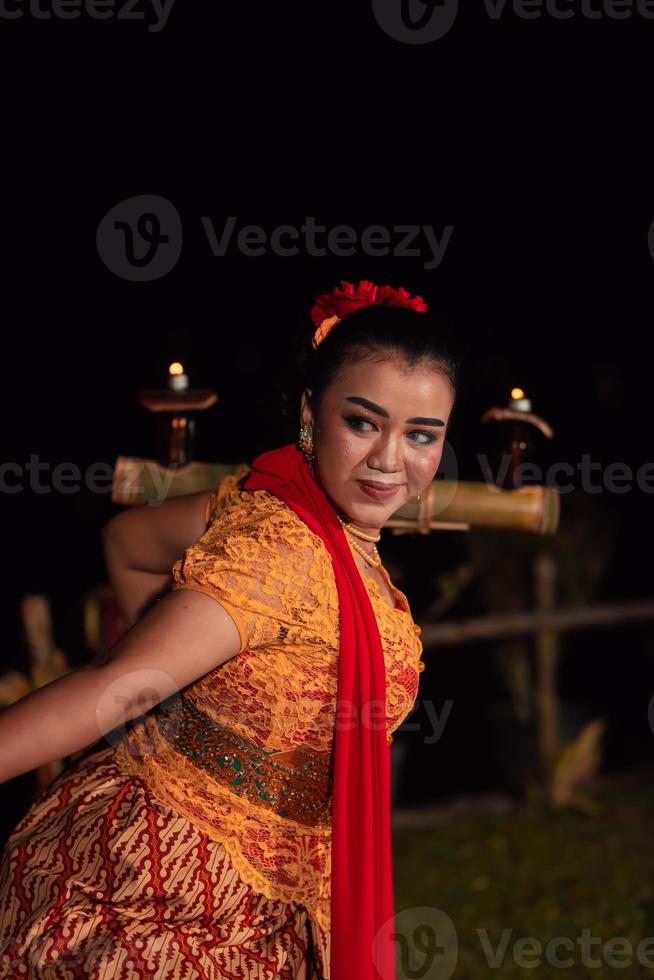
385	455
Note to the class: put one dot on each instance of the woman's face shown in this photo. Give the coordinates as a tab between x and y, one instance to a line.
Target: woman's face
381	422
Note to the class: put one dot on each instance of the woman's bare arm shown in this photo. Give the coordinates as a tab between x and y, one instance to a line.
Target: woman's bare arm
142	543
184	636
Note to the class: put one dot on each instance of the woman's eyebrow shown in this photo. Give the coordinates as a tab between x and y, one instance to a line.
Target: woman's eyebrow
419	420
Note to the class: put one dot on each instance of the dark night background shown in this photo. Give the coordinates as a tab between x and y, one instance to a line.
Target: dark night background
525	136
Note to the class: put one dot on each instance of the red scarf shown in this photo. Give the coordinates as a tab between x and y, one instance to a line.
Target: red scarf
361	867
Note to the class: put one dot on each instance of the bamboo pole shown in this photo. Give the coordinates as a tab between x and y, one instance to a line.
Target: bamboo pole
547	655
512	624
475	504
446	505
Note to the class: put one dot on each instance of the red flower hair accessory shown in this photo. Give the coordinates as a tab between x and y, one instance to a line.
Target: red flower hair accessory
330	308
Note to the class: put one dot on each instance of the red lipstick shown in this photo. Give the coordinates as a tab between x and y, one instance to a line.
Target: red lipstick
377	490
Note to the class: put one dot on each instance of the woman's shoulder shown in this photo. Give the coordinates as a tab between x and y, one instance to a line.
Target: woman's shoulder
261	521
237	509
258	559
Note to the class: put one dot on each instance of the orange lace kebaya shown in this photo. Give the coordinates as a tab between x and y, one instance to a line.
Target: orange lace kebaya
270	710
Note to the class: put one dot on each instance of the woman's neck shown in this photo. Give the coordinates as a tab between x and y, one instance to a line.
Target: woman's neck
370	529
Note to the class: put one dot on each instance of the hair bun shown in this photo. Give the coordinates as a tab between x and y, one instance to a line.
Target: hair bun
329	309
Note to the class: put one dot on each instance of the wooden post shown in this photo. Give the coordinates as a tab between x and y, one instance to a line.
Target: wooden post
547	655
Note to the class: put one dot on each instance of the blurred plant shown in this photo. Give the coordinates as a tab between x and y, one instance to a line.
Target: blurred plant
575	764
47	663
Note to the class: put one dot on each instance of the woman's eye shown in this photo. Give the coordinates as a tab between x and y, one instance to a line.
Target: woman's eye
429	438
355	420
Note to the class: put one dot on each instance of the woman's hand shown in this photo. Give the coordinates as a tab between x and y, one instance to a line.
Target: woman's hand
183	637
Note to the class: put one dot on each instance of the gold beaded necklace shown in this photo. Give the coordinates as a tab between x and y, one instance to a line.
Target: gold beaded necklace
374	559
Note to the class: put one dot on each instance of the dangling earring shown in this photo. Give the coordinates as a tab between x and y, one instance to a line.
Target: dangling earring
306	443
419	497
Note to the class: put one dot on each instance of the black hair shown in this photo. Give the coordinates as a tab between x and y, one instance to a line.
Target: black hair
379	333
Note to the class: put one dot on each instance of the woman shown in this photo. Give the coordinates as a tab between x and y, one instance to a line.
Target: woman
235	820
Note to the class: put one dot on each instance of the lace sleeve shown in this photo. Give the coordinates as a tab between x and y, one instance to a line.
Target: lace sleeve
211	506
227	486
253	560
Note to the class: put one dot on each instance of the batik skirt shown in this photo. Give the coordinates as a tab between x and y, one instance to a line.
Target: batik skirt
102	880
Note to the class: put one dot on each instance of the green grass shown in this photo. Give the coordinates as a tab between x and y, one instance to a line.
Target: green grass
538	874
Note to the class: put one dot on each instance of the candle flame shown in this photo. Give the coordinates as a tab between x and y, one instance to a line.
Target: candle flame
176	368
517	393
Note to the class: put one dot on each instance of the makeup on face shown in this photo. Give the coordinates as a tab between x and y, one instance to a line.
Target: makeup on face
428	438
379	491
378	410
373	458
